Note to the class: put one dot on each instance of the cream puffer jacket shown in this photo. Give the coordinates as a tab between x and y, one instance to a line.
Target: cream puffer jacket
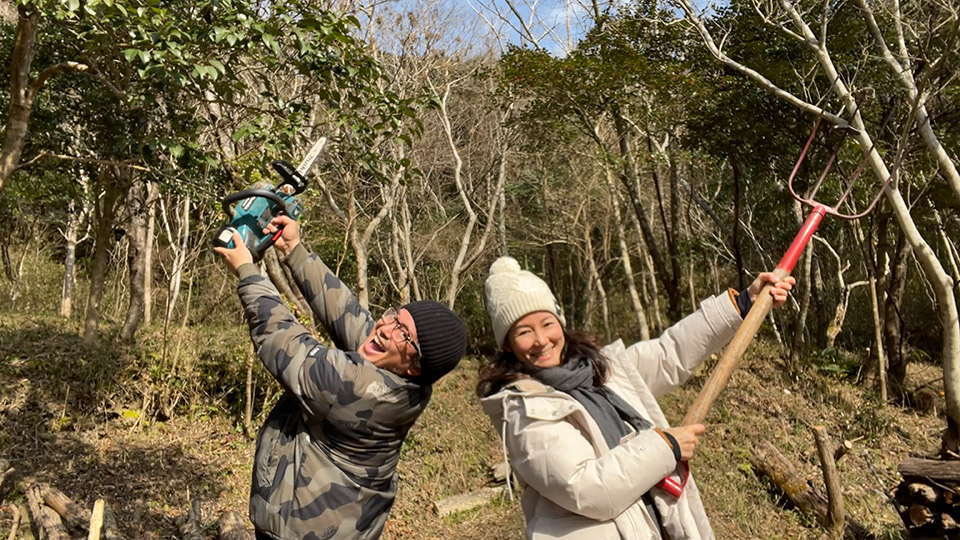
575	487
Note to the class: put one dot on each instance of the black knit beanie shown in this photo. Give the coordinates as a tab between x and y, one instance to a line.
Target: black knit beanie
441	336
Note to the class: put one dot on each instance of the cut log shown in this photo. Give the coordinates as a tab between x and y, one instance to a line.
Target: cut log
920	515
232	526
842	450
190	526
96	521
49	525
467	501
928	498
769	462
939	470
922	492
74	517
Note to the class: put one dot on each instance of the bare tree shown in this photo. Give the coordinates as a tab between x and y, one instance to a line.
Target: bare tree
785	16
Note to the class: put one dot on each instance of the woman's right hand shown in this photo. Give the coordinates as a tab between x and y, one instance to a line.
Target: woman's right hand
290	236
688	437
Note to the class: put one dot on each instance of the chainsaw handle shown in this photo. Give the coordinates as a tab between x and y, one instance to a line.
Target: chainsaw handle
247	193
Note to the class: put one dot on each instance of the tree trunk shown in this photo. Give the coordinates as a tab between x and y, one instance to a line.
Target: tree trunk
817	293
136	255
630	180
625	258
105	210
153	194
840	313
595	279
397	239
21	95
735	242
804	293
878	341
69	260
180	254
893	321
671	230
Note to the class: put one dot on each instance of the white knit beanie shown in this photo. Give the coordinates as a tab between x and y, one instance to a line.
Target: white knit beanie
512	293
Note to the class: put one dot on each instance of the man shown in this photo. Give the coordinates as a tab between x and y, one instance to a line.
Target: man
325	465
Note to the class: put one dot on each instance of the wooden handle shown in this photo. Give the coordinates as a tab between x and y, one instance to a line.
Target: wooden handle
734	351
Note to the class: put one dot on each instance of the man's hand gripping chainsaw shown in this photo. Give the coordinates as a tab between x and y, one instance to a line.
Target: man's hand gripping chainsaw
252	209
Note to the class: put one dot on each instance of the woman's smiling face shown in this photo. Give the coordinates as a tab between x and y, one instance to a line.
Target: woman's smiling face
536	339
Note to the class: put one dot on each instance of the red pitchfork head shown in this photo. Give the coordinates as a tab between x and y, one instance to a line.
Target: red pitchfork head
848	184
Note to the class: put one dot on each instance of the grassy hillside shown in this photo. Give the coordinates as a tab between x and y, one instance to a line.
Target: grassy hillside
149	431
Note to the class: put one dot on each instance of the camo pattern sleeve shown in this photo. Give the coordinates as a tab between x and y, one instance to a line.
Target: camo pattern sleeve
333	303
309	370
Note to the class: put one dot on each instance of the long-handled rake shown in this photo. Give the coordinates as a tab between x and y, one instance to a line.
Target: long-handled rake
761	307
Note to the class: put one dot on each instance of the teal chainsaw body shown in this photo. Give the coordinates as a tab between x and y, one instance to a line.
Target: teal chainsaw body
252	209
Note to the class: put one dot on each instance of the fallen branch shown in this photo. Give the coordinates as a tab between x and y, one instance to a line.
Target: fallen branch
73	515
769	462
467	501
48	522
16	522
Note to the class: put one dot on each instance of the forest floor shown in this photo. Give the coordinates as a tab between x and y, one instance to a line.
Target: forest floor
89	421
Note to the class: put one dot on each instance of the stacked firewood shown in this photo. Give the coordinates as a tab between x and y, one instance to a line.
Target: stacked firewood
53	516
928	498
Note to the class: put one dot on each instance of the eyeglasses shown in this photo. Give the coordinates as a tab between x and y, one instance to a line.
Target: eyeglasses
399	333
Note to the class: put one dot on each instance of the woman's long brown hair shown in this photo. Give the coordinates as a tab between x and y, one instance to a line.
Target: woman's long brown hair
506	367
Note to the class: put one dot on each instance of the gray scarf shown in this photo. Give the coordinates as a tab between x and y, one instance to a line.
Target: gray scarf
610	411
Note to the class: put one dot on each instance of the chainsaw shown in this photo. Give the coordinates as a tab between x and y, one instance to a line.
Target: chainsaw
252	209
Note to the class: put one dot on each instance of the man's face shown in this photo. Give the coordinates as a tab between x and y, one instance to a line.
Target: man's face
393	345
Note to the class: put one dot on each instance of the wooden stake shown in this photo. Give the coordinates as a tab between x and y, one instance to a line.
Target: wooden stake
96	520
835	513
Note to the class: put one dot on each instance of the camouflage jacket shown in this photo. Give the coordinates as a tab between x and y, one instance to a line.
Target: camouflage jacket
325	465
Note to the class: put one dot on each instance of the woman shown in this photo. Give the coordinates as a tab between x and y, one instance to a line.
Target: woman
581	424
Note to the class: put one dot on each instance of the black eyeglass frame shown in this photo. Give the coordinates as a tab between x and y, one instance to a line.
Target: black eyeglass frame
400	333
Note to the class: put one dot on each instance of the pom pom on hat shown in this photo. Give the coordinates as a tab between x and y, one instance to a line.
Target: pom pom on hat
505	265
512	292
